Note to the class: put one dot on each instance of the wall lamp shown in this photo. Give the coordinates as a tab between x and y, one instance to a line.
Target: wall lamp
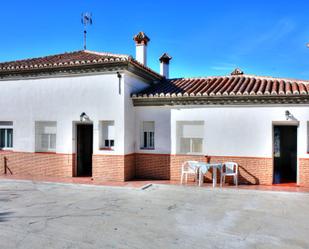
84	117
288	115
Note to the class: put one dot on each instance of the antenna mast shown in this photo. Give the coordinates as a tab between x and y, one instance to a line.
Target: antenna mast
86	21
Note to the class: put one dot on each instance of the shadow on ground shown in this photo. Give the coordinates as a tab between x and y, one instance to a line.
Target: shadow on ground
4	216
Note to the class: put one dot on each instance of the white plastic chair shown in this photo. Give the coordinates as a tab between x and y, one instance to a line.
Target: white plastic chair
189	168
229	169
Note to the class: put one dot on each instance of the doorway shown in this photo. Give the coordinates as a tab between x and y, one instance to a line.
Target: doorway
285	154
84	147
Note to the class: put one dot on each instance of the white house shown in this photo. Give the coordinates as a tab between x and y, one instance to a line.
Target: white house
111	117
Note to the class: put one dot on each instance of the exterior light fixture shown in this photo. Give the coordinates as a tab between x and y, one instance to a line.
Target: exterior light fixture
288	115
84	117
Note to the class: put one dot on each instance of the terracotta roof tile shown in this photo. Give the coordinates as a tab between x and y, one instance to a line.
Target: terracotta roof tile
71	59
227	86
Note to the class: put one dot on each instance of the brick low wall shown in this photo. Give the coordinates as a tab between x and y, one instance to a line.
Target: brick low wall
152	166
37	164
113	167
252	170
108	167
304	172
105	167
129	167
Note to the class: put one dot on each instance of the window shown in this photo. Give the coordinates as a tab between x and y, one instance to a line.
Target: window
107	134
45	136
190	137
147	136
6	134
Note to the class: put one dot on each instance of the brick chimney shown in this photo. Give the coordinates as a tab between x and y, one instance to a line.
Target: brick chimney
164	65
141	41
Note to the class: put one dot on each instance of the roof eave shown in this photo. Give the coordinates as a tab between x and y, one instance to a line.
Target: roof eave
222	100
80	68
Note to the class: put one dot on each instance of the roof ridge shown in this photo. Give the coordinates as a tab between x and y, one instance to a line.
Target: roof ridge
106	54
40	57
67	53
243	76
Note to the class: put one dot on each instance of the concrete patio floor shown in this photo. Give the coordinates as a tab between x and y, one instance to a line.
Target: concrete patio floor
140	183
49	215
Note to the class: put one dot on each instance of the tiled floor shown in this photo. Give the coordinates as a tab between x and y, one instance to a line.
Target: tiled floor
140	183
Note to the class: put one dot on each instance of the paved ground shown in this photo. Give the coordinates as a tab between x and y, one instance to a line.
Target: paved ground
38	215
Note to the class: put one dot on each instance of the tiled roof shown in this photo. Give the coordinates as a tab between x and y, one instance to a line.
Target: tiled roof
71	59
234	85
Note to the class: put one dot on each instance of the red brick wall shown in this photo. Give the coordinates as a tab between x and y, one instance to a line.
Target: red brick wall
304	172
113	167
252	170
37	164
129	167
108	167
152	166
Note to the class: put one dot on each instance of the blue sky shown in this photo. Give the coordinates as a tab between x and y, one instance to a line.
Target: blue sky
203	37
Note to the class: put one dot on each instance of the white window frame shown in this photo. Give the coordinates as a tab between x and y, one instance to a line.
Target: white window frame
7	125
104	135
179	137
39	136
150	136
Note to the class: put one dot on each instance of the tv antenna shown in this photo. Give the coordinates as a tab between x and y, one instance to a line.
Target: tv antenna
86	21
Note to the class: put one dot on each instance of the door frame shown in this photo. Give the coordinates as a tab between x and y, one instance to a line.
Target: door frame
284	123
74	143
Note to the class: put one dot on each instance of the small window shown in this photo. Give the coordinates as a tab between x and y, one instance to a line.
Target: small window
148	135
45	136
107	135
6	135
190	137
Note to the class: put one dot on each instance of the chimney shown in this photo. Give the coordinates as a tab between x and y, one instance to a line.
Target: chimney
164	65
141	40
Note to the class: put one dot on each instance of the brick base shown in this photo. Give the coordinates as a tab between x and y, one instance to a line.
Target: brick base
36	164
113	167
304	172
252	170
152	166
105	167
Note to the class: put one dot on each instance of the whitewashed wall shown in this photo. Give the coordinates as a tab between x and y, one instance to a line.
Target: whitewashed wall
229	131
62	99
235	131
162	118
133	84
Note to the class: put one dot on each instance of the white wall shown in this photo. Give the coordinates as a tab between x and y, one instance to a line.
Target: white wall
162	118
235	131
133	84
229	131
62	99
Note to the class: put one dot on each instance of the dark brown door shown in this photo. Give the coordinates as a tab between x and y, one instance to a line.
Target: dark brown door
84	149
285	154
